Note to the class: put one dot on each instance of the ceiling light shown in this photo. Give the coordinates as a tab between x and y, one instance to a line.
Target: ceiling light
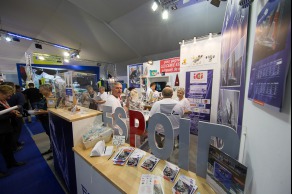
165	14
19	36
62	47
154	6
66	60
8	39
41	58
66	54
78	56
150	62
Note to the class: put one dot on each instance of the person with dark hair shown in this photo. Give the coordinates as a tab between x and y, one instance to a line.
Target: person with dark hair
89	98
6	129
17	99
42	114
33	95
152	94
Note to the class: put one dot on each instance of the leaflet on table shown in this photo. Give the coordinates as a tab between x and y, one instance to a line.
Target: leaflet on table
170	172
150	162
122	156
150	184
135	157
185	185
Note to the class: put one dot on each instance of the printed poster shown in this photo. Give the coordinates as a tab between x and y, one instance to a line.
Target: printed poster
233	65
271	55
135	71
171	65
199	93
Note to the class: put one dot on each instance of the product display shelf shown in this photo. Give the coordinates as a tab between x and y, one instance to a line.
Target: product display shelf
100	175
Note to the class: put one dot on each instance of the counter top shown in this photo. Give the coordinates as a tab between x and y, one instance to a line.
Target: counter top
79	115
127	179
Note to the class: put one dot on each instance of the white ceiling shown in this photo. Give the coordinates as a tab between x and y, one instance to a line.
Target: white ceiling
112	31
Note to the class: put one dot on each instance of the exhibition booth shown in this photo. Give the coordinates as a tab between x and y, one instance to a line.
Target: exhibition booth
117	152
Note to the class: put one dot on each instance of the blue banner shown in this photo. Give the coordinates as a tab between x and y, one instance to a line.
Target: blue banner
233	65
271	55
199	93
135	71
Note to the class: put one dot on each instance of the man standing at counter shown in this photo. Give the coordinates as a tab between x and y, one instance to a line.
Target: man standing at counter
113	100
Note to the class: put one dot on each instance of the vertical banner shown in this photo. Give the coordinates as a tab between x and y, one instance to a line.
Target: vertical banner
199	93
171	65
271	55
233	65
135	71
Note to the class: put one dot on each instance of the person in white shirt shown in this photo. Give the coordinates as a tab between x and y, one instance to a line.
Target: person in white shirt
184	101
171	108
113	100
88	98
101	98
152	94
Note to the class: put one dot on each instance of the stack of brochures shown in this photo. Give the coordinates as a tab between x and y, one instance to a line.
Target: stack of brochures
135	158
150	162
122	156
170	172
150	184
185	185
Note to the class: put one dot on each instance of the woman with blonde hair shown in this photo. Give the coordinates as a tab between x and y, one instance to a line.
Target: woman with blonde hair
6	129
183	101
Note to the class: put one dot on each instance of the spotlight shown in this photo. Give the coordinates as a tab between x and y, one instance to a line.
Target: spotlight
165	14
150	62
154	6
174	7
66	54
66	60
15	39
216	3
8	39
41	58
38	46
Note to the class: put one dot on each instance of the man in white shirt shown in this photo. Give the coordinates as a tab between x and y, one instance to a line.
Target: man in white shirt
151	92
171	108
113	100
101	98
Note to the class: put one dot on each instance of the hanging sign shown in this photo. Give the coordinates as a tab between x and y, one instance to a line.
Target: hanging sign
171	65
199	93
272	55
45	59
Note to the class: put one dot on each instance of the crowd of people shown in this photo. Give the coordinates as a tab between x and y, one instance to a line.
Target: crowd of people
32	98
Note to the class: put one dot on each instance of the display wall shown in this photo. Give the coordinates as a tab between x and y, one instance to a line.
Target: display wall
268	142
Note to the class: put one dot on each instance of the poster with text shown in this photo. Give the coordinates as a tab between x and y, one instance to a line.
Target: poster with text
233	65
271	55
199	93
171	65
135	71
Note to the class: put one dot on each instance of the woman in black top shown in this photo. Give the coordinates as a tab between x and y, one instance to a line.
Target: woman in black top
6	129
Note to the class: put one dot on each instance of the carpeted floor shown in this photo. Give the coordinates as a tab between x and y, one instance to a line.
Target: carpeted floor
36	176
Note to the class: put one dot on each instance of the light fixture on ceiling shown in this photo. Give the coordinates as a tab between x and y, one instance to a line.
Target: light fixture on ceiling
66	54
66	60
38	46
155	5
165	14
42	58
150	62
8	38
165	5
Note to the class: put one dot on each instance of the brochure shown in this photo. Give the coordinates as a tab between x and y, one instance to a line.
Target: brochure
184	185
135	158
122	155
170	172
150	184
150	162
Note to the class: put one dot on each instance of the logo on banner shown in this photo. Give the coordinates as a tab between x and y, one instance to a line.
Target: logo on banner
199	77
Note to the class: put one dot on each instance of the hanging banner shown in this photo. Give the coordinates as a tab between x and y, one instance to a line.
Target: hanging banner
171	65
272	55
199	93
233	65
45	59
135	71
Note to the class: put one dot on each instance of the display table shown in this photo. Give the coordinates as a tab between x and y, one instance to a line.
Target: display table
66	132
100	175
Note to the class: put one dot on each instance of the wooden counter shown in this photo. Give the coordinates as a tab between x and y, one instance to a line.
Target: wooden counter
125	179
79	115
